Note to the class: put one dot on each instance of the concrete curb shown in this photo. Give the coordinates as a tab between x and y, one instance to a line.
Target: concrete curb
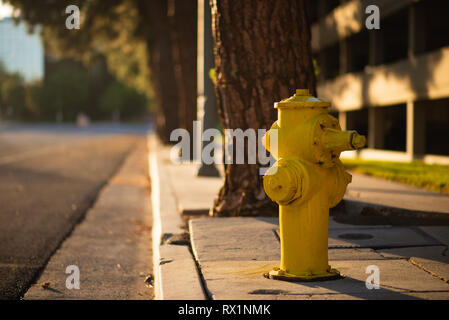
175	273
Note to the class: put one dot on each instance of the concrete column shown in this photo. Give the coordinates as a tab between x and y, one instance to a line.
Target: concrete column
206	101
416	130
375	128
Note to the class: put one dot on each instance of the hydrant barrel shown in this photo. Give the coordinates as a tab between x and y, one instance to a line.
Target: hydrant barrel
307	179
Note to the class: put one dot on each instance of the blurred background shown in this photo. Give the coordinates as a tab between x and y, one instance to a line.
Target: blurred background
390	84
39	83
74	103
153	62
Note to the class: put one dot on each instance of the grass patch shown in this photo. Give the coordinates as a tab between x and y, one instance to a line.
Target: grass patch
431	177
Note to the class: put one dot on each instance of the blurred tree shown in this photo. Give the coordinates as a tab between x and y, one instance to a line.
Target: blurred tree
32	101
126	102
183	19
135	35
12	94
262	54
99	80
65	92
70	88
155	31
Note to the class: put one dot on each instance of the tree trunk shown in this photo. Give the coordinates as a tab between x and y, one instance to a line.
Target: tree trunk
262	54
183	14
160	49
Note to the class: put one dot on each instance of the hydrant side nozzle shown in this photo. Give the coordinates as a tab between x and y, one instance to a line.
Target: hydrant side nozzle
340	141
337	140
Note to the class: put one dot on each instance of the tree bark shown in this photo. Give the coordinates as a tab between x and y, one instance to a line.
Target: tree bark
183	16
262	54
160	49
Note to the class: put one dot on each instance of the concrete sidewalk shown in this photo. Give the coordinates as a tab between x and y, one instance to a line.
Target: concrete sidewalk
231	254
394	194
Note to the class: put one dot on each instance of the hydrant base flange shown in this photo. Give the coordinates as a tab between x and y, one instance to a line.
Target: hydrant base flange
278	274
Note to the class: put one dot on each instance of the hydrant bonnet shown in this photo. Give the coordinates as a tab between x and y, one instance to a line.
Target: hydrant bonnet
302	99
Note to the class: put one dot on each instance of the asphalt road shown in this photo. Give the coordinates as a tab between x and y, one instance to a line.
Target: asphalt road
49	177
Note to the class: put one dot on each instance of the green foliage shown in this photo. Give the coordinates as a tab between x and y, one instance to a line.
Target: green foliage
12	94
128	63
120	98
32	103
69	89
114	28
66	91
432	177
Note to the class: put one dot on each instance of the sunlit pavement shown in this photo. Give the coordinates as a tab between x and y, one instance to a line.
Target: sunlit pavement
49	176
232	254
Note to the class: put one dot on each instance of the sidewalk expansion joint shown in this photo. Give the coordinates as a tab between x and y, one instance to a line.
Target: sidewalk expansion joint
206	291
419	266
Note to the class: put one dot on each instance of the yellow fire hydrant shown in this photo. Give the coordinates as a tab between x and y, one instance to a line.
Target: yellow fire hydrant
307	179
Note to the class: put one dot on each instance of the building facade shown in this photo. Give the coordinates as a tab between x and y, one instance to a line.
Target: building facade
21	51
392	83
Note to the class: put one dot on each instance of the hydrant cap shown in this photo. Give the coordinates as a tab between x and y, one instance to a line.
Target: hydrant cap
280	182
302	99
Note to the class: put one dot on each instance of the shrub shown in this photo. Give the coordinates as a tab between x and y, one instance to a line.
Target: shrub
120	98
12	94
66	90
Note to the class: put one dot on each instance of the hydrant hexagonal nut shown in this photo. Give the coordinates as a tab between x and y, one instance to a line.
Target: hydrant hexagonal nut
281	182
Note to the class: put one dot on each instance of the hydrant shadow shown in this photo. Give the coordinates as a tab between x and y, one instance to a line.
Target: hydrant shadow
342	288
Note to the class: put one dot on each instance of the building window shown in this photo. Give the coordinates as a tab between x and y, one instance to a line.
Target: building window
357	120
358	51
394	35
394	127
432	27
437	126
329	62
